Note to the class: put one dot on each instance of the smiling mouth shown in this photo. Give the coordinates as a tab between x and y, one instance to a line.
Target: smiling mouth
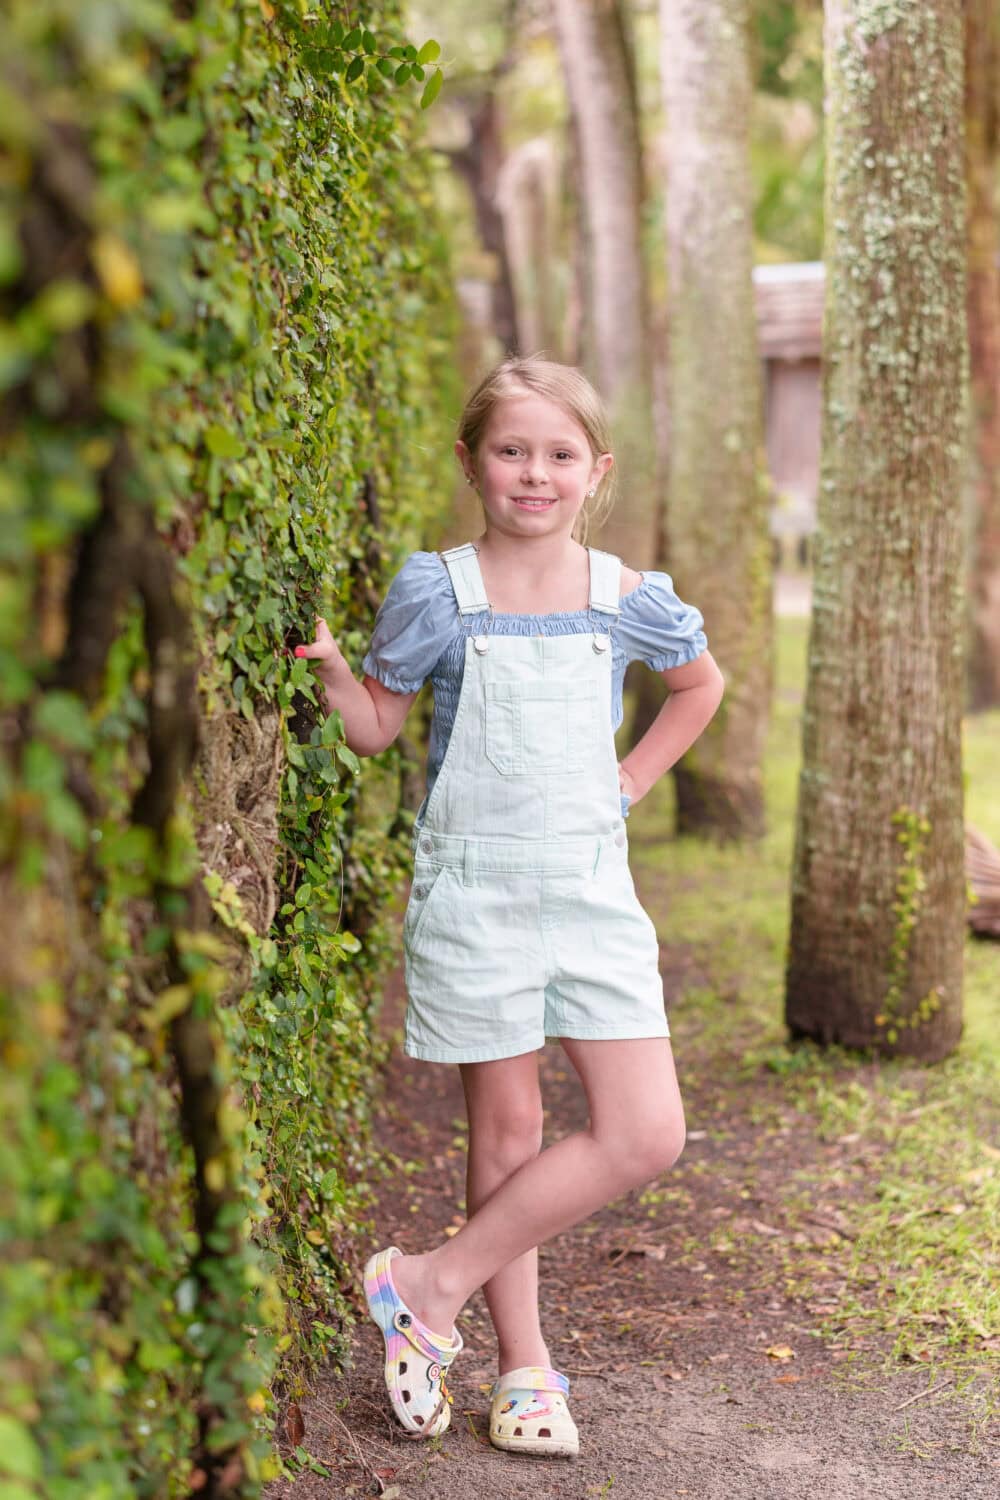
532	502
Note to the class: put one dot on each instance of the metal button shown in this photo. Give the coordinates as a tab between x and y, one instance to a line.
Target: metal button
602	642
427	845
419	892
481	643
619	839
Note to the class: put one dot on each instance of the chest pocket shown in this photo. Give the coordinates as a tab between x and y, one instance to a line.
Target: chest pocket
539	726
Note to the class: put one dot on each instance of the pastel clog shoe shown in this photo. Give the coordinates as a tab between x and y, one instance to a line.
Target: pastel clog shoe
529	1414
416	1358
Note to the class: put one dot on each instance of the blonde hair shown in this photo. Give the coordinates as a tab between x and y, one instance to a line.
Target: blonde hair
568	388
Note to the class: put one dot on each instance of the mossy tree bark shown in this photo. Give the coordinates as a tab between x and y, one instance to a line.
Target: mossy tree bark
600	79
718	549
982	115
878	895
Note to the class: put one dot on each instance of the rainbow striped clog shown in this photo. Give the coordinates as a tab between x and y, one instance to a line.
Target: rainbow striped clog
416	1358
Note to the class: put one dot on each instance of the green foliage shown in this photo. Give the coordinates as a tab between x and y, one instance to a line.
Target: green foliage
785	54
225	342
911	883
787	148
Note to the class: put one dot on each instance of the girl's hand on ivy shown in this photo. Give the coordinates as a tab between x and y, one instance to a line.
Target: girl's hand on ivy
324	651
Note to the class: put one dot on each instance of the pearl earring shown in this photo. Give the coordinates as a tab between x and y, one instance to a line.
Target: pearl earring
592	492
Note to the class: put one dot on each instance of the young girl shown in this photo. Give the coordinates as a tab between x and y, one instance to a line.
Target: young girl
523	921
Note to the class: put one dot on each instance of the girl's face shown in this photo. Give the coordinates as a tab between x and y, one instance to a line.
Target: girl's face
534	467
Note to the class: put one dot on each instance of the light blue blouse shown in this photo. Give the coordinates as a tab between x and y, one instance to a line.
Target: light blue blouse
418	634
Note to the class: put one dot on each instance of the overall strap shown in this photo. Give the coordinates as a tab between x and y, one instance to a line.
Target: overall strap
466	578
605	581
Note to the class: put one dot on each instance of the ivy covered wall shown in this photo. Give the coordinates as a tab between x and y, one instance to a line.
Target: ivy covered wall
227	396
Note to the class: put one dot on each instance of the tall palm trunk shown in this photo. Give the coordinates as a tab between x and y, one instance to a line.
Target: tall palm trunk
982	106
717	501
878	891
600	80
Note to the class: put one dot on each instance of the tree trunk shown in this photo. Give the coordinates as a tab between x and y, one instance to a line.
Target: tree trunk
600	80
982	86
528	198
878	891
717	497
478	162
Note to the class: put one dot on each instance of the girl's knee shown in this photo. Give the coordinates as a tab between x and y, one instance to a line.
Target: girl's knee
666	1146
510	1135
650	1149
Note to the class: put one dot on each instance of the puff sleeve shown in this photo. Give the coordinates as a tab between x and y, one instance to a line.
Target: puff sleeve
412	625
657	627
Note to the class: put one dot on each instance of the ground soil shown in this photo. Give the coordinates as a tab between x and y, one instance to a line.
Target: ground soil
692	1373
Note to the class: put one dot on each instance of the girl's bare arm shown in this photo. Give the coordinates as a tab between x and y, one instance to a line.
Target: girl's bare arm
373	715
696	691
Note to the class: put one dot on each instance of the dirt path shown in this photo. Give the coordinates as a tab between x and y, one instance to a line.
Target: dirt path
663	1312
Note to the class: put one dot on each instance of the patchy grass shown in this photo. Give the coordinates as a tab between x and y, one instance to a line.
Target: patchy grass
886	1223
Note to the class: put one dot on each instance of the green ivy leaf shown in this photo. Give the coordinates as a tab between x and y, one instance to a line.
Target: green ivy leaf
223	444
355	68
19	1453
429	52
352	41
348	757
402	73
65	718
369	42
431	88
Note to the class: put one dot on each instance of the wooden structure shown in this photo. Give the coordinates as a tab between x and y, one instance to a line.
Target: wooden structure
789	301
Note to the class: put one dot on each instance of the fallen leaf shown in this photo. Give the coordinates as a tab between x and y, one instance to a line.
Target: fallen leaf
786	1379
295	1427
780	1351
653	1252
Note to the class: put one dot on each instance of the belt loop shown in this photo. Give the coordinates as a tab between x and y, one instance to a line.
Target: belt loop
469	863
597	858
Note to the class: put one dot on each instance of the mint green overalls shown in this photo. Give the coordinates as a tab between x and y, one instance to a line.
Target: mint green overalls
523	921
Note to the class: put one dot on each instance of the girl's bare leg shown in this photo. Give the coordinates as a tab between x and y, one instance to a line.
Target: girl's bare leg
504	1105
636	1131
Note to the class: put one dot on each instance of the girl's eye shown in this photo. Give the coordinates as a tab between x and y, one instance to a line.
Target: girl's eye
562	452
